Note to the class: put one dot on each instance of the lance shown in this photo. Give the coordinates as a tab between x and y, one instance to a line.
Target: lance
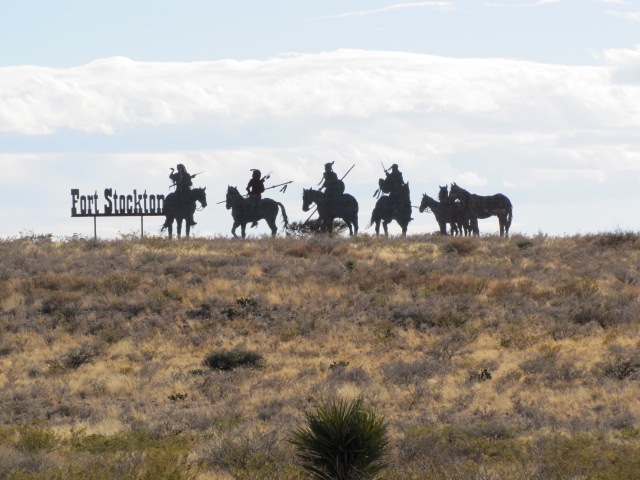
283	189
377	193
316	209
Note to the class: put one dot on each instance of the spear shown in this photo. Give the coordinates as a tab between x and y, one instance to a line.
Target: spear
283	189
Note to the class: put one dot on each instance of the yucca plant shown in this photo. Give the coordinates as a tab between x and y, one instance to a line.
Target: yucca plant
342	440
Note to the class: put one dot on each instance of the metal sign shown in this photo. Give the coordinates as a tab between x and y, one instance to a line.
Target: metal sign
114	204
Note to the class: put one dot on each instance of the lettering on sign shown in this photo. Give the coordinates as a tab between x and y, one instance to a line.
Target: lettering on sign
114	204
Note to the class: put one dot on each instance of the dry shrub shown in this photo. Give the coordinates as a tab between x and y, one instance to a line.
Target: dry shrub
463	246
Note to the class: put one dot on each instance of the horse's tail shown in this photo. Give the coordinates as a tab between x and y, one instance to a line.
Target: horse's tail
509	217
285	220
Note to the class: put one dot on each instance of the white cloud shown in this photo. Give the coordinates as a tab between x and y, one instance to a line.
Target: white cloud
488	124
116	95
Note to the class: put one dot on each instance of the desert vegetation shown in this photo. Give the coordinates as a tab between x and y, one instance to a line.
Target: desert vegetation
485	358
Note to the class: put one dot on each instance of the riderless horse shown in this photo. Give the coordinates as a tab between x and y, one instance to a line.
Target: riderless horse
246	210
460	220
330	207
181	206
444	213
478	206
389	208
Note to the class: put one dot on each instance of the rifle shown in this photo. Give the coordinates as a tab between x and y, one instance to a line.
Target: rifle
192	176
316	209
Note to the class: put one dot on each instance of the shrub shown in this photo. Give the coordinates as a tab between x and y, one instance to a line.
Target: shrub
230	359
342	440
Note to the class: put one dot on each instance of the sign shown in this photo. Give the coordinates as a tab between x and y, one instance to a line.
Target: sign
114	204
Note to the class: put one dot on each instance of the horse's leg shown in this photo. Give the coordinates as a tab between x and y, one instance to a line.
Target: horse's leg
355	226
377	228
502	222
272	225
384	226
170	228
187	227
233	229
243	230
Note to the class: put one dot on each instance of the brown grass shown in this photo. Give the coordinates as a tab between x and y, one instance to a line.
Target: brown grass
102	346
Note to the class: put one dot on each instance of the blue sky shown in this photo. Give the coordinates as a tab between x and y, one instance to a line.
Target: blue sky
539	100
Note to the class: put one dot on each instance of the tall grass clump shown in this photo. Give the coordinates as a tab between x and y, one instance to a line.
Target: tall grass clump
342	440
231	359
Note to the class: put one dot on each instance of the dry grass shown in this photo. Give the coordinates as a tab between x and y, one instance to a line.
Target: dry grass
488	358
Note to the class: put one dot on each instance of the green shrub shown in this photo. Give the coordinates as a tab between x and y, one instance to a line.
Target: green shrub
230	359
342	440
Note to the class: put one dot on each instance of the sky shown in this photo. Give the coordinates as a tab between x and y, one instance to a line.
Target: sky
535	99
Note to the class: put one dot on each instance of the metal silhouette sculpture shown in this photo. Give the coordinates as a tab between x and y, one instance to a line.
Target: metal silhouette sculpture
331	206
478	206
393	207
181	206
460	221
245	210
443	212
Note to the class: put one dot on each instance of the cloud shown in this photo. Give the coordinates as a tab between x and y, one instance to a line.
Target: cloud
442	6
625	63
118	95
492	125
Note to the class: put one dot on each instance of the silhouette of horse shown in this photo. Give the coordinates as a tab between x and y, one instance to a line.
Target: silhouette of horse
330	207
478	206
181	206
443	213
245	210
460	220
389	208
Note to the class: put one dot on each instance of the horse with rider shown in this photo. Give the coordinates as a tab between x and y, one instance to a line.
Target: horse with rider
180	204
394	204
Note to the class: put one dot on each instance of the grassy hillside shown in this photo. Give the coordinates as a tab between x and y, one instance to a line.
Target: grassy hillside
488	358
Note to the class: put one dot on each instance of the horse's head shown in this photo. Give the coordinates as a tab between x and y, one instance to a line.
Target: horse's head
232	196
306	199
457	193
201	195
443	194
426	202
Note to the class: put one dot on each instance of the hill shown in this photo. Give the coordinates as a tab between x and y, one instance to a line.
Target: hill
488	358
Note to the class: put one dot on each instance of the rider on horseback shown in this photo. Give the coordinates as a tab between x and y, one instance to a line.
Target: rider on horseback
255	188
182	181
330	181
393	184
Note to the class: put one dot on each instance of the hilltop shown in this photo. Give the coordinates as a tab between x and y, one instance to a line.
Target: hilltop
488	358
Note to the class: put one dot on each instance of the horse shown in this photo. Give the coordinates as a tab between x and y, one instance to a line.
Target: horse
245	210
389	208
478	206
444	213
330	207
179	209
460	220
